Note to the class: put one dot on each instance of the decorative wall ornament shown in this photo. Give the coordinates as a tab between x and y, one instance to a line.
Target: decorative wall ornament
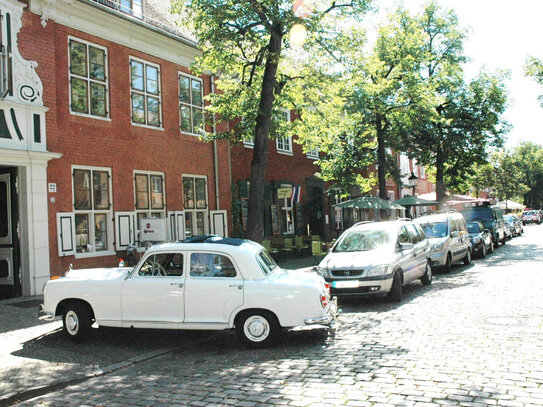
27	86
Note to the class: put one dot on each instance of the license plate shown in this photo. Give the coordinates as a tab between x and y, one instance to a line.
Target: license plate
345	284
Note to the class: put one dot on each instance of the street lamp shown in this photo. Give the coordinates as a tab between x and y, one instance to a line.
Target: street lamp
412	181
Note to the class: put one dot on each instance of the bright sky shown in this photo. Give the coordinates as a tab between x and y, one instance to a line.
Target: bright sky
502	33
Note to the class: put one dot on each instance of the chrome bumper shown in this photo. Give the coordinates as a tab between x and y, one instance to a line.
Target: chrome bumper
44	316
328	319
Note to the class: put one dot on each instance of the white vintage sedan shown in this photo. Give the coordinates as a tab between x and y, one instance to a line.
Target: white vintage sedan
210	283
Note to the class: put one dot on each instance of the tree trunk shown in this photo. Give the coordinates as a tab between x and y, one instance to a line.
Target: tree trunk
381	159
255	227
440	184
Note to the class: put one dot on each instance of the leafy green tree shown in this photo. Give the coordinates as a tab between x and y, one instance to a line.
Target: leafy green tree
247	44
529	158
482	177
455	132
508	176
534	68
378	89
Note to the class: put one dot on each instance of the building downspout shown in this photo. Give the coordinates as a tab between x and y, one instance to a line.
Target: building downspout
215	153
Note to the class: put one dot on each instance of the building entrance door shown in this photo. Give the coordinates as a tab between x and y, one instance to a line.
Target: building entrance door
10	283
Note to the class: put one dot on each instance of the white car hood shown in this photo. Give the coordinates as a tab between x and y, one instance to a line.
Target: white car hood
355	259
99	274
437	240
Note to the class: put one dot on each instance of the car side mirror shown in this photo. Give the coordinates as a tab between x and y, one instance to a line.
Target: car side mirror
486	231
406	246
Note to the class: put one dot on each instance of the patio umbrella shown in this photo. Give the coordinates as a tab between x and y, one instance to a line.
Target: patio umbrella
414	201
368	202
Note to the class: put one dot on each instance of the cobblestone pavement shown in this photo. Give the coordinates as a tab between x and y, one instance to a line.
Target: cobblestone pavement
472	338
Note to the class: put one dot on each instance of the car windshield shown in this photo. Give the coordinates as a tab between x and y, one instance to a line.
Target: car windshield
267	264
434	229
362	240
473	227
478	214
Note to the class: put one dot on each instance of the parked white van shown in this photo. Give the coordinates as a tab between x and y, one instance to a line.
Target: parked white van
449	238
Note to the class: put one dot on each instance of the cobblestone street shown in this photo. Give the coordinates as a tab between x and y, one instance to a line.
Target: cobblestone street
472	338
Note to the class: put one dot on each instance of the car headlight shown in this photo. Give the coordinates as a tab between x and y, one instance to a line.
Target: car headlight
476	239
320	271
378	271
437	247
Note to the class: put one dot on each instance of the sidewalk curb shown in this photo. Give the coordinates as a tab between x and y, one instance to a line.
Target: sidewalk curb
15	398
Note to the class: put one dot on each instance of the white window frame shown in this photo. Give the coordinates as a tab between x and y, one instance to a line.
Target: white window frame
284	144
390	195
190	213
249	143
145	93
132	12
149	212
89	80
313	154
286	209
190	104
91	213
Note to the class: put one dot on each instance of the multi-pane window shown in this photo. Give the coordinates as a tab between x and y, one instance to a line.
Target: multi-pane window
145	93
149	190
314	154
134	7
88	78
92	209
195	205
191	104
284	144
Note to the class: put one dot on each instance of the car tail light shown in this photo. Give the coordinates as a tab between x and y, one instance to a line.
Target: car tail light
324	301
327	287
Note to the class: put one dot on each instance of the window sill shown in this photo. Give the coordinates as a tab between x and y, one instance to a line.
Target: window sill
285	152
90	116
312	157
188	133
146	126
95	254
251	146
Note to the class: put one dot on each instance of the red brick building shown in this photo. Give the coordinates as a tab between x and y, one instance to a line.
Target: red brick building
103	134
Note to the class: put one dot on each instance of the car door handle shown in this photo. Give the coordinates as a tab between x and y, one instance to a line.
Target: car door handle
178	284
239	286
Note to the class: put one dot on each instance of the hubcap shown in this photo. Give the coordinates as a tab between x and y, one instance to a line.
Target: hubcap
256	328
72	322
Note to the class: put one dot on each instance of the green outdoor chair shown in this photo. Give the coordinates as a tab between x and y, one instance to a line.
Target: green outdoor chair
267	245
316	249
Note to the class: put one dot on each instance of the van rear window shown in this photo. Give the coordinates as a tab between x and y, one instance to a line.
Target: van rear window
478	214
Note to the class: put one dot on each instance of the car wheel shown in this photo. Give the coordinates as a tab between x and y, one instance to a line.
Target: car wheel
257	329
426	279
504	239
76	321
447	266
395	293
483	250
467	259
491	249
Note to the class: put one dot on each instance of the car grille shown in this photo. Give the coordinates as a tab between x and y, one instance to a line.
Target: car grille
347	273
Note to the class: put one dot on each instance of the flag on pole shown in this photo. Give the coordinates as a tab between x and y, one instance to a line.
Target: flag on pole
296	194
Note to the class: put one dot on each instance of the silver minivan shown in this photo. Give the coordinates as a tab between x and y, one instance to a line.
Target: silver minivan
449	238
376	258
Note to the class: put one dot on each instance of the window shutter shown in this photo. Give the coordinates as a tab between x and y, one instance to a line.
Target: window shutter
219	223
66	233
176	225
125	231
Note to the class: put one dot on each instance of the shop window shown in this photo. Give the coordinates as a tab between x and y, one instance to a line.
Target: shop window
149	195
92	210
195	205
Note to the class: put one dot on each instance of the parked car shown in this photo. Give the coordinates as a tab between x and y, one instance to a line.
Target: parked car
481	239
377	258
531	216
491	217
515	225
508	229
204	283
449	238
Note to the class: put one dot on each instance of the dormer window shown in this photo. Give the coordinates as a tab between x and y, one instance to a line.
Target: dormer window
133	7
